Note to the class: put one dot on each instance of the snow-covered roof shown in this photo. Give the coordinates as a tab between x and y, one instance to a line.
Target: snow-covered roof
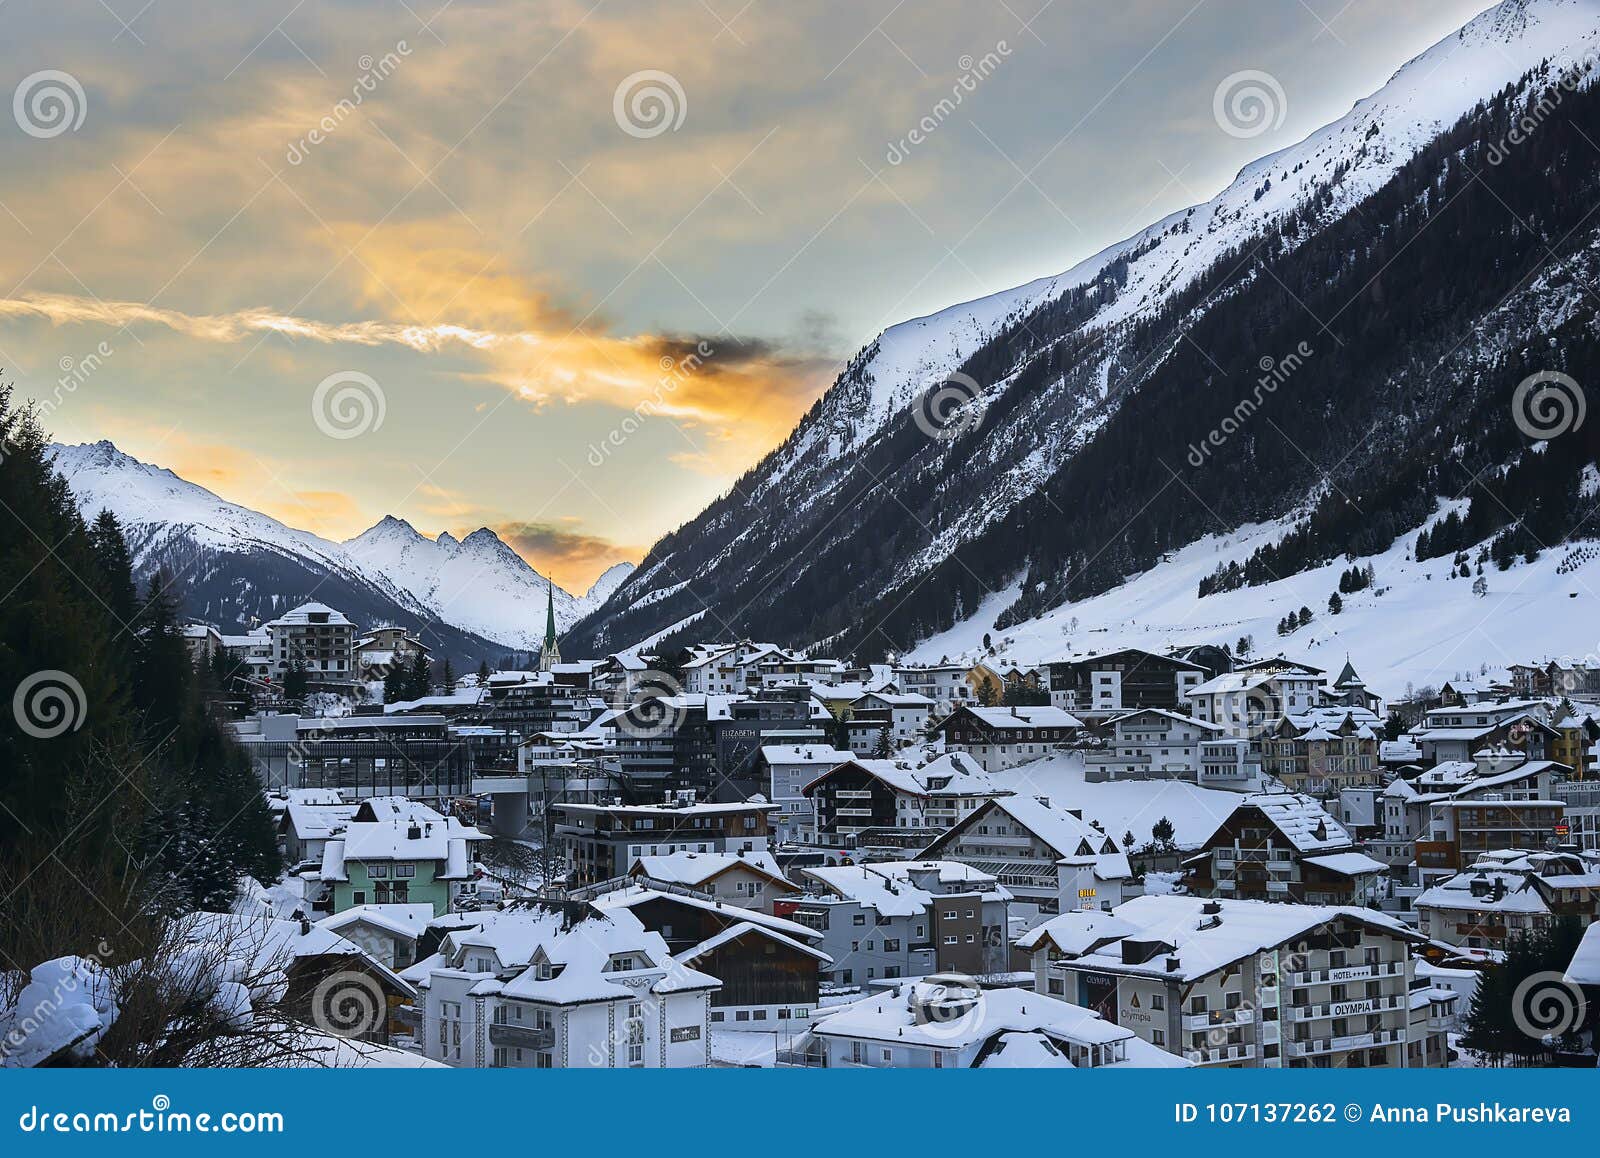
1175	717
401	840
627	898
889	887
823	755
952	774
403	920
897	1018
1299	817
1348	864
1585	966
1205	935
1024	717
310	614
696	868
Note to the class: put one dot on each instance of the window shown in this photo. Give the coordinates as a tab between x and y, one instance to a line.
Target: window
1158	1037
950	939
1158	1001
859	919
405	870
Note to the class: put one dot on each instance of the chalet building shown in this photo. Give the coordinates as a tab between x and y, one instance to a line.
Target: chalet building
770	968
894	919
387	933
603	841
1000	738
888	807
1576	733
562	987
1282	846
1510	892
744	880
1246	984
1157	744
1048	858
1323	751
788	769
1249	700
952	1023
309	817
318	639
1100	686
324	976
1215	658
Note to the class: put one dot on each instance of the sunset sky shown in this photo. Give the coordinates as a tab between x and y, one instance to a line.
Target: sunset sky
476	234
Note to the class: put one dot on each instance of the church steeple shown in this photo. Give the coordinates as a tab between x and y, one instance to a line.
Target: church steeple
550	654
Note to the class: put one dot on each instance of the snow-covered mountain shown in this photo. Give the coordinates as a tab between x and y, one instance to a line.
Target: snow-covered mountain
1067	472
235	563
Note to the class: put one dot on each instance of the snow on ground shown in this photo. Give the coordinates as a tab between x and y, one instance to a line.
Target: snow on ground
1415	625
1124	805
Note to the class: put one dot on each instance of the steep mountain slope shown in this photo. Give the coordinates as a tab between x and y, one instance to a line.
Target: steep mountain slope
474	598
1349	271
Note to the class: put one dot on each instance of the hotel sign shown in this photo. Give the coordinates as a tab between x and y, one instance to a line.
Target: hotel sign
1346	1008
1353	973
685	1033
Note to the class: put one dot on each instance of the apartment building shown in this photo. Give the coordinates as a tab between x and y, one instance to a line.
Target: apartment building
884	807
604	841
1098	687
895	919
1000	738
1244	984
1152	744
1323	751
789	768
318	639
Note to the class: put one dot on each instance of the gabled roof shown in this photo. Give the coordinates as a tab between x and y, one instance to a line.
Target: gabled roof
952	774
695	869
1066	836
1300	819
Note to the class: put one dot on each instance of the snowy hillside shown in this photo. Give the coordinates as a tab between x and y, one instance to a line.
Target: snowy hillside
862	524
1415	625
477	585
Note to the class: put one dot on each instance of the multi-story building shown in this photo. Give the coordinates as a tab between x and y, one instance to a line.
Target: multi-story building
1283	846
203	641
1153	744
905	714
789	768
904	919
1248	701
319	640
1459	733
1117	682
712	743
888	807
744	880
1000	738
1580	801
396	851
604	841
1510	892
1323	751
948	685
1493	810
770	968
1245	983
1050	859
562	987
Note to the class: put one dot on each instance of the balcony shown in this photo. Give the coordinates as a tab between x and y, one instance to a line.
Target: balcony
1336	1044
1218	1017
407	1015
528	1037
1353	1008
1348	973
1222	1054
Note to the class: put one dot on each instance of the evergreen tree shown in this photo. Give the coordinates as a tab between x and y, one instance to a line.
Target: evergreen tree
448	678
1335	604
396	682
296	681
1163	833
885	746
483	671
421	682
